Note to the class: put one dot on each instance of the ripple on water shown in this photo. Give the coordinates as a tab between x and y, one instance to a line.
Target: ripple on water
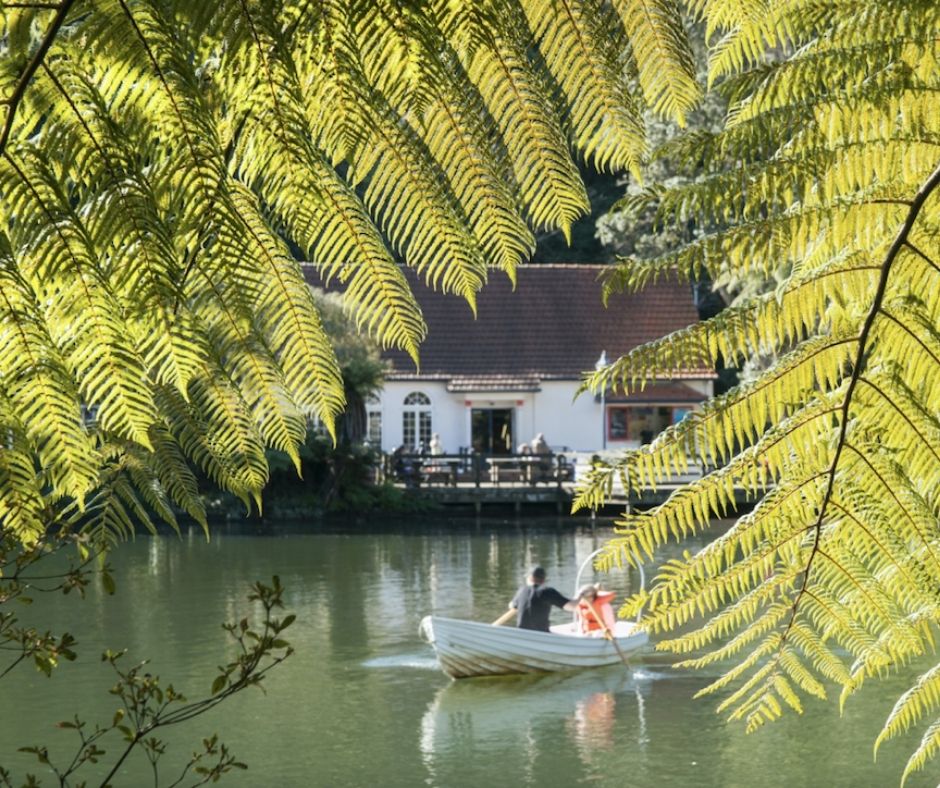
418	661
641	674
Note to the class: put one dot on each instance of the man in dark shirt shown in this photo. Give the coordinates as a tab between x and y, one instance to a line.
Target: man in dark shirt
533	602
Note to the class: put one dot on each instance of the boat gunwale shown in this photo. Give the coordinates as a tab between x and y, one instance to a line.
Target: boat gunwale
473	648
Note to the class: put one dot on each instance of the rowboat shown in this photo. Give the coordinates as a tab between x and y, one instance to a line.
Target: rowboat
471	648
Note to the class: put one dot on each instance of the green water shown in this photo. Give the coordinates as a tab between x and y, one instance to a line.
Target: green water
362	703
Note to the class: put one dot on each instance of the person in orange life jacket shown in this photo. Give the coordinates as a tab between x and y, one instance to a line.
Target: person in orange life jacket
600	601
533	602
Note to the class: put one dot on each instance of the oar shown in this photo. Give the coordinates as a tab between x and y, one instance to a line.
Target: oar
504	617
607	633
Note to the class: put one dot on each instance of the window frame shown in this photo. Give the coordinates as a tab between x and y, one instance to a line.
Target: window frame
374	413
610	408
418	409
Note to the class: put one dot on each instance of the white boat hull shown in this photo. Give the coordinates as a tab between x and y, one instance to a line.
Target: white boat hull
469	648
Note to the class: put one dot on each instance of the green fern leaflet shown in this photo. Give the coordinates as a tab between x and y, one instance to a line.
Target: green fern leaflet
825	180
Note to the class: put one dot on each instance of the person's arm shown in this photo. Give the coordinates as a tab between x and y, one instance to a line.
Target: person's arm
560	600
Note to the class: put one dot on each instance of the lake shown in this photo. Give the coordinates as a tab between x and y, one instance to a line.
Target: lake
362	702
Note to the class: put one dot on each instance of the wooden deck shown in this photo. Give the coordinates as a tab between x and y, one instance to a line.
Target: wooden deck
473	481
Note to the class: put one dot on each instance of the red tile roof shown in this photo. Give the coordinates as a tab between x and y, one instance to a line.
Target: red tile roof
553	326
667	391
469	383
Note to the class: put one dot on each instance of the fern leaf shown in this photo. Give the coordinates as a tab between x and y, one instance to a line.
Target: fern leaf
920	699
835	199
22	507
515	95
926	750
41	392
664	61
83	316
577	41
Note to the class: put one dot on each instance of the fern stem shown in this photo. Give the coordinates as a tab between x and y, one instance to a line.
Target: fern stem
903	415
877	541
928	187
884	483
922	256
900	324
24	79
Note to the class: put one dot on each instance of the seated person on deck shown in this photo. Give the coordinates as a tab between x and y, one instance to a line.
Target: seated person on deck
600	601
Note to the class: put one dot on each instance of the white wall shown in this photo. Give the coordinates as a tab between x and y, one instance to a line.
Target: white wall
550	411
553	411
450	413
566	421
706	387
445	412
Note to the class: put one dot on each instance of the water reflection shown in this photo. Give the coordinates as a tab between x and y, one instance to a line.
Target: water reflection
592	726
363	702
480	719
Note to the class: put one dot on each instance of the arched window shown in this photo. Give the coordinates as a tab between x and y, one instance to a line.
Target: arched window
416	421
374	422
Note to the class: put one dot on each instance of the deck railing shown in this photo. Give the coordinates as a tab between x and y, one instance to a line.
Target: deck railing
477	470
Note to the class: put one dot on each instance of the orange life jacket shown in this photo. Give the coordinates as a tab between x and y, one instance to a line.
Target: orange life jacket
601	603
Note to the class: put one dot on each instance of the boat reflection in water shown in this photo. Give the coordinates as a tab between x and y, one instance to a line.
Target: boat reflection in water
592	725
469	721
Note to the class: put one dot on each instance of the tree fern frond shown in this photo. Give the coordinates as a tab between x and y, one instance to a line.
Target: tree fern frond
330	220
252	366
824	180
147	485
334	228
148	267
22	507
458	136
84	318
664	61
160	158
109	519
232	432
794	312
515	95
290	320
736	419
920	699
578	42
926	750
40	391
429	228
189	428
897	410
168	465
394	40
751	626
